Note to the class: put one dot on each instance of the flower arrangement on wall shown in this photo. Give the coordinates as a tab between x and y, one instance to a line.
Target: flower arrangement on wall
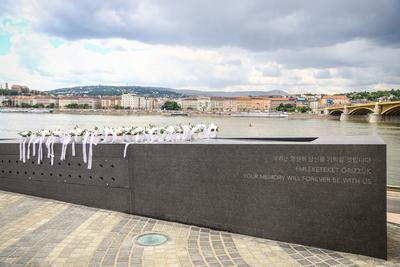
32	142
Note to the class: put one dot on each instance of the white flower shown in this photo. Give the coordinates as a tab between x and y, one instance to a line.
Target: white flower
213	127
57	133
170	129
138	130
178	129
186	128
25	133
121	131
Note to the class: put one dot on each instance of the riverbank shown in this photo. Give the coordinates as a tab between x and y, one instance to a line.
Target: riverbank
127	112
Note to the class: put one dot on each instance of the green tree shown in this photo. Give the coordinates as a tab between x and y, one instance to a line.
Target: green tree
77	106
25	105
8	92
170	105
285	107
72	106
303	109
6	103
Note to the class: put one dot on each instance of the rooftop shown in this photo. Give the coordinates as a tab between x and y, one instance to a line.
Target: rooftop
44	232
334	97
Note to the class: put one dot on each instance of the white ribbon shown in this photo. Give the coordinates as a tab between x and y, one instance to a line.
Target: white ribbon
73	147
22	155
126	148
34	145
48	142
64	147
40	149
52	151
20	148
84	141
28	153
92	142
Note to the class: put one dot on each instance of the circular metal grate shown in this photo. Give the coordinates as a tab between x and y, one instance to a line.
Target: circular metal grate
151	239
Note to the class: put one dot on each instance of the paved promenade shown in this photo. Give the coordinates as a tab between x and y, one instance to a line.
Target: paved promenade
43	232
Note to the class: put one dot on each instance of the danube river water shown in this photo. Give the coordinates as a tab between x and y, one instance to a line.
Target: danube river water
12	123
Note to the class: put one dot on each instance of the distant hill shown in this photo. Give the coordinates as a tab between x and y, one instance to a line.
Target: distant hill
108	90
233	93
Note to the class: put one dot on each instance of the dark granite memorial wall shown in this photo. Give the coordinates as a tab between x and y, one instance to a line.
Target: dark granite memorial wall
318	192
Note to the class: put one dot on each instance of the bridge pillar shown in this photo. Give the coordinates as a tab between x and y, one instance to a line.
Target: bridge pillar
345	115
376	116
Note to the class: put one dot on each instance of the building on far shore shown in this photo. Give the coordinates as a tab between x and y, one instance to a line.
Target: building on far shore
259	103
110	102
19	88
136	102
217	104
91	102
243	103
230	104
275	102
334	100
45	101
301	102
196	103
203	103
189	103
131	101
313	104
149	103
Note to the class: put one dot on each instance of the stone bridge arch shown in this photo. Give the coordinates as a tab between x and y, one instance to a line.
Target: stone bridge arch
335	112
361	111
393	110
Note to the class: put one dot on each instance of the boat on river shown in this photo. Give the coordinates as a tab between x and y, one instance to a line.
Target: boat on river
260	114
25	110
179	114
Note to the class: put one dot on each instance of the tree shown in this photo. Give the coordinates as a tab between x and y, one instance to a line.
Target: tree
38	106
25	105
6	103
285	107
303	109
72	105
170	105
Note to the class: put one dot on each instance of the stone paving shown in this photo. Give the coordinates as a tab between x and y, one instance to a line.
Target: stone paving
43	232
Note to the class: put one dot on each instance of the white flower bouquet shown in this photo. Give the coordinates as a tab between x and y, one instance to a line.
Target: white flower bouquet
107	135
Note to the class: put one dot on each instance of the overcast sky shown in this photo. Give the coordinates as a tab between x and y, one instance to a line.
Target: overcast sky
297	46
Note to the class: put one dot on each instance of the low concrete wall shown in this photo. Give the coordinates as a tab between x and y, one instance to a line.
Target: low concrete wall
319	193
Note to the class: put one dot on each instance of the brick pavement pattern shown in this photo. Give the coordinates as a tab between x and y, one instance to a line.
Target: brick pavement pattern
44	232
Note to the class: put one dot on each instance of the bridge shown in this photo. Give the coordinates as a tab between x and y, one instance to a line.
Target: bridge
373	112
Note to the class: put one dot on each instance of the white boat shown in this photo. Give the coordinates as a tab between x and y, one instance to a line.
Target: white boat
25	110
260	114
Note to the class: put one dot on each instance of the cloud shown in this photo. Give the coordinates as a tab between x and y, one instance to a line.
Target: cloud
297	46
323	74
254	25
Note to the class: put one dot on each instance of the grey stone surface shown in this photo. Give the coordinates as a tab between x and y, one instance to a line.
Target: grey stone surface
325	195
328	193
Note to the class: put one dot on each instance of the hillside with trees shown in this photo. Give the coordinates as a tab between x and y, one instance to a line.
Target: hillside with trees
389	95
107	90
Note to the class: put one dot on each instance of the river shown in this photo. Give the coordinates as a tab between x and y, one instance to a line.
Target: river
12	123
